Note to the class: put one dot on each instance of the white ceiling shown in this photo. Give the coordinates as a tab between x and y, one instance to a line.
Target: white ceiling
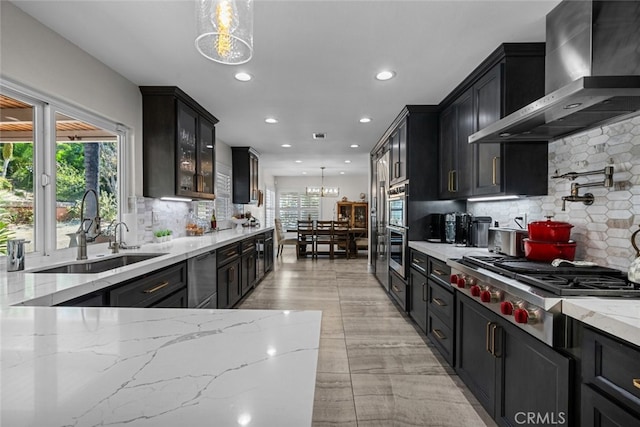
314	64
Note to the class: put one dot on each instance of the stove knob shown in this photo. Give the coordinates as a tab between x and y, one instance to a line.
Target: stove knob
521	315
461	282
453	279
485	296
475	290
506	308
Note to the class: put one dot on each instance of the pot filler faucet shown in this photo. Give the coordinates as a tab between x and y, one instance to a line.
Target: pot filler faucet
587	198
92	231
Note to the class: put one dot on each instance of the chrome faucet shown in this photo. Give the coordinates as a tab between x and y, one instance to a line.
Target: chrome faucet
115	246
586	198
83	234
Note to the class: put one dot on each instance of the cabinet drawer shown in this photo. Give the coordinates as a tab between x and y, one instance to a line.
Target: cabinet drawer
177	300
228	254
419	261
146	291
441	301
439	271
398	290
611	366
596	410
248	245
441	335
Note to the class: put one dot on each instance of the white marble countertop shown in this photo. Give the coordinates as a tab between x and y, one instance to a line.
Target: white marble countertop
44	289
76	366
617	316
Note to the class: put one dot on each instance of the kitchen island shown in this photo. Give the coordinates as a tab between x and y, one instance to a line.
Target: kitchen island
157	367
148	367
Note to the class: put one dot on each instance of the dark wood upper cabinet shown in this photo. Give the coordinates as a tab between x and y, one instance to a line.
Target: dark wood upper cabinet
178	144
510	78
245	175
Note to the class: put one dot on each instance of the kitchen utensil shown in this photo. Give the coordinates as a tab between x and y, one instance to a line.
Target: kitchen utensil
633	274
559	262
507	241
15	254
548	251
550	231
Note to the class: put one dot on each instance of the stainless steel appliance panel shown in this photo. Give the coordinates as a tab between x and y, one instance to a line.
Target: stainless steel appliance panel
398	250
398	196
379	219
202	281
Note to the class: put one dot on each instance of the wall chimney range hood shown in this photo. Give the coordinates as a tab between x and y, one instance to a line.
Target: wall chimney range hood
592	74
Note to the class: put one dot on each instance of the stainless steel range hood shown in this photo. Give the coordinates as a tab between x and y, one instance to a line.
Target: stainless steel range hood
592	74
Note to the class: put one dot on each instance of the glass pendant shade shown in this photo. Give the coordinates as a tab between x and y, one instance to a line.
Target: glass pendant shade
225	30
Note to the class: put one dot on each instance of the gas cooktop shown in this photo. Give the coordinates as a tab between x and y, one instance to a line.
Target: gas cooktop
562	281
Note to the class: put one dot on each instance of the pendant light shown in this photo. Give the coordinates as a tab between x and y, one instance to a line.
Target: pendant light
323	191
225	30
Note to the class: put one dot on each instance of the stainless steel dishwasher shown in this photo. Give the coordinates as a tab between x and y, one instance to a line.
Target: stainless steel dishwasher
202	287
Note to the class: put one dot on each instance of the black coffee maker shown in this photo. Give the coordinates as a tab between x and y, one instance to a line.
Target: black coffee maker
463	229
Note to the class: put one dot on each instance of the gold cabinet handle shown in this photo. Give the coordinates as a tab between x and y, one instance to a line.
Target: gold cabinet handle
157	287
232	272
424	298
439	302
395	288
450	182
494	171
636	382
438	333
438	272
454	181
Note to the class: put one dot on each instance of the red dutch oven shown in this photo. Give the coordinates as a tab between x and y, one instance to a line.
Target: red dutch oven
535	250
550	231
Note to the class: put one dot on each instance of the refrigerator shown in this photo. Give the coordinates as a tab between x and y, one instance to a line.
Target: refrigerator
379	235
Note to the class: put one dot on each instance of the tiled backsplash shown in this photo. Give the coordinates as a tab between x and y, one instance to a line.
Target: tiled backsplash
602	230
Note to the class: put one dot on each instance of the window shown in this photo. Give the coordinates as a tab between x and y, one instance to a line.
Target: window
224	207
294	206
270	207
52	154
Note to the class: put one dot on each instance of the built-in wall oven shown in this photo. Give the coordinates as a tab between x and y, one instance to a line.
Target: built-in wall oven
397	228
398	249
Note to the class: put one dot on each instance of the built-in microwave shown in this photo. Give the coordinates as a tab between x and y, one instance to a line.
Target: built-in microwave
397	212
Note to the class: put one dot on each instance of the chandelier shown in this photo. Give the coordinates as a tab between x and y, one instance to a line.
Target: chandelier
323	191
225	30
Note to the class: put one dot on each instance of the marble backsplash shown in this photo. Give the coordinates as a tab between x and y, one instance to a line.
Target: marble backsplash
602	230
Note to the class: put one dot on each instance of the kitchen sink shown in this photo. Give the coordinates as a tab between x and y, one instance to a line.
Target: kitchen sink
97	265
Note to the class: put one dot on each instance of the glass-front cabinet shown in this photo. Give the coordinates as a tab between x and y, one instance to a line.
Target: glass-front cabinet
178	145
357	213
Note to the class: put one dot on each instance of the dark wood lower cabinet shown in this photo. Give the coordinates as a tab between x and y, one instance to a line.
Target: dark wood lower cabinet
598	411
229	284
176	300
515	377
398	289
418	298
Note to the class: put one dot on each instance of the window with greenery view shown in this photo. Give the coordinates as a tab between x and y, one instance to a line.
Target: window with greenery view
59	164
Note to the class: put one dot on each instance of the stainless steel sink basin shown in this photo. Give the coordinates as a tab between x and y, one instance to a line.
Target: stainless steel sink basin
97	265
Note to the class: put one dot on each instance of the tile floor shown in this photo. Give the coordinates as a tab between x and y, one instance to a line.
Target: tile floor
374	368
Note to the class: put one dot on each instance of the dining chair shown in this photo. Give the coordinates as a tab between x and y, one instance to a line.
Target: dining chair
305	238
341	238
323	237
281	237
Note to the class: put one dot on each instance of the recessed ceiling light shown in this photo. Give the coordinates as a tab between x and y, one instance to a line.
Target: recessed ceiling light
354	146
271	120
319	135
286	146
298	161
304	173
341	172
365	120
243	77
574	105
385	75
347	161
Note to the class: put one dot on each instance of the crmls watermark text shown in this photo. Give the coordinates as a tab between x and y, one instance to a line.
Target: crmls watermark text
540	418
